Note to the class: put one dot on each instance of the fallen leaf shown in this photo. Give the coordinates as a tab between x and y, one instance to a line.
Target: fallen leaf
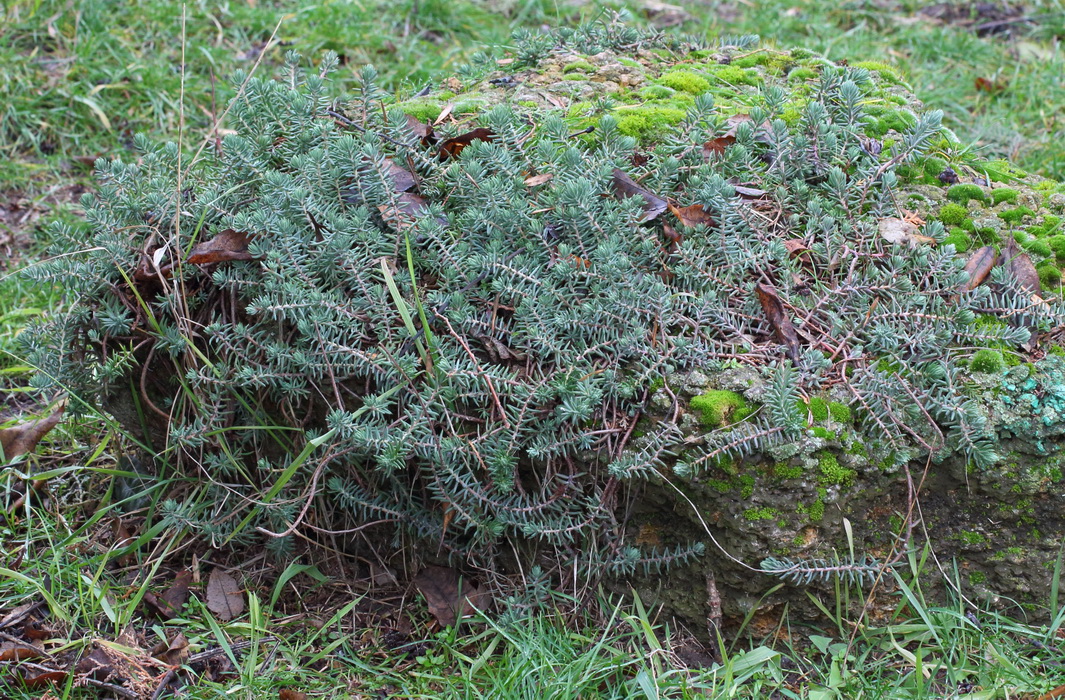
289	694
407	209
96	665
444	113
19	614
453	146
1019	266
402	180
39	679
692	215
121	538
901	232
227	245
749	192
172	653
168	605
13	651
778	319
537	180
1058	692
447	593
979	266
421	130
224	597
23	438
625	186
720	143
34	632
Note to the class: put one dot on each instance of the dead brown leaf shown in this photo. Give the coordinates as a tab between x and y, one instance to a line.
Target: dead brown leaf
407	209
168	605
453	146
537	180
720	143
402	179
96	665
979	266
421	130
13	651
1019	266
38	679
23	438
289	694
692	215
625	186
778	319
227	245
447	593
224	596
172	653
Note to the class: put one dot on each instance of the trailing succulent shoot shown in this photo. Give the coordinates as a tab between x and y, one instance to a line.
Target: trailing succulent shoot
468	324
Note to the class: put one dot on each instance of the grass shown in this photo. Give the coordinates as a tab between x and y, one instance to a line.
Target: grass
77	80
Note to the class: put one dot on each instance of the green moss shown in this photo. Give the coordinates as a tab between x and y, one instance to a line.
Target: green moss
1038	247
657	92
470	106
832	472
422	110
823	433
933	166
1057	244
817	508
685	81
1003	194
1051	223
963	193
802	74
733	75
578	66
886	72
1049	276
959	239
840	412
717	408
746	484
953	214
763	513
988	361
882	119
528	104
971	538
719	485
648	121
629	62
782	470
791	114
969	226
818	409
1015	216
575	76
976	578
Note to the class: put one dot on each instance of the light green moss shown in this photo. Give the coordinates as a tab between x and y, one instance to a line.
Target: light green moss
1057	244
1038	247
988	361
887	73
959	239
581	66
762	513
733	75
802	75
657	92
782	470
685	81
832	472
647	121
953	214
964	193
1049	277
717	408
422	110
629	62
818	408
1014	217
1003	194
840	412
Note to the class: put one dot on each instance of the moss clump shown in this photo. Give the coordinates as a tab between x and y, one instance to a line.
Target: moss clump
657	92
1057	244
818	408
960	239
886	72
648	121
717	408
580	66
734	75
1049	276
832	472
802	74
685	81
988	361
816	510
422	110
1038	247
933	166
1004	194
782	470
1014	216
1051	223
953	214
840	412
762	513
963	193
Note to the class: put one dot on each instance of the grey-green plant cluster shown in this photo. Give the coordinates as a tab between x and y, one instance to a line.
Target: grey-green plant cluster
340	324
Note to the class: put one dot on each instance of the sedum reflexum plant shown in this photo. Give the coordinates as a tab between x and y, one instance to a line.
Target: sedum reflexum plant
338	322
